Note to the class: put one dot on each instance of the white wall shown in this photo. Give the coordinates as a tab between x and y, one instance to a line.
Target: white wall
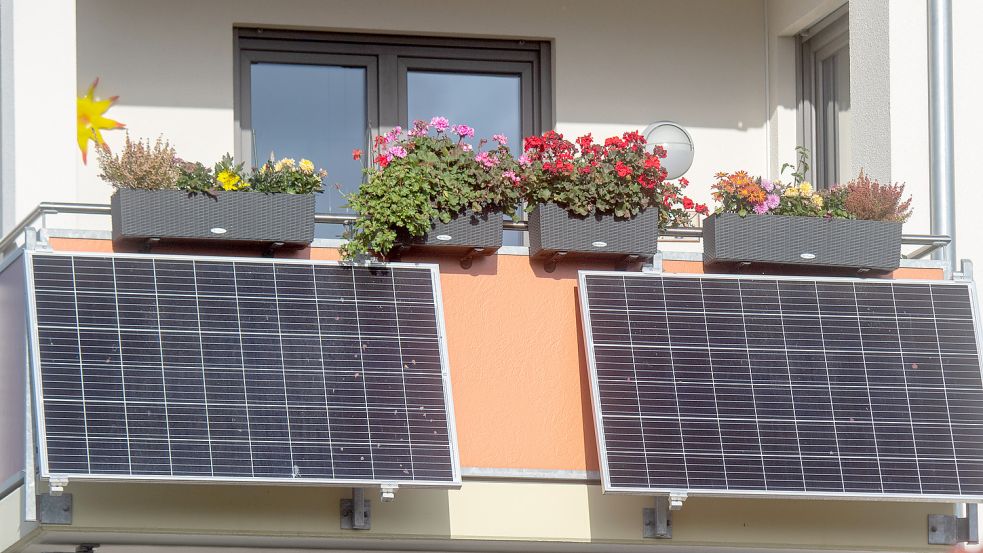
967	59
37	77
618	65
909	115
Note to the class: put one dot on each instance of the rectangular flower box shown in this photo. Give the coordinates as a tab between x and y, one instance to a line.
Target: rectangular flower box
238	216
729	239
468	231
553	230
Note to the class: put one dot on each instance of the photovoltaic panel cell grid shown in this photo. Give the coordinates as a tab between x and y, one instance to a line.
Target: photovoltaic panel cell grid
785	386
163	367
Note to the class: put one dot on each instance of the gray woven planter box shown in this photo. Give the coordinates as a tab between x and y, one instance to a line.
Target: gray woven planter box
463	233
729	239
245	216
553	229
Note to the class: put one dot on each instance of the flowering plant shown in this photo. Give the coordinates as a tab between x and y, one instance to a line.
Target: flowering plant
861	198
866	198
618	176
430	173
156	167
740	193
283	177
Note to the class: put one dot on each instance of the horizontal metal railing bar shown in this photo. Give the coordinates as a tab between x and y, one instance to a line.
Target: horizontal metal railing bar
929	242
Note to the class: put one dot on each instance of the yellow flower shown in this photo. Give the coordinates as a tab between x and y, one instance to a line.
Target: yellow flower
806	189
230	180
284	163
817	200
307	166
791	192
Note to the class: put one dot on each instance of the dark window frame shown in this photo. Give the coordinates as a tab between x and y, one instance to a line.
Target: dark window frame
387	59
819	134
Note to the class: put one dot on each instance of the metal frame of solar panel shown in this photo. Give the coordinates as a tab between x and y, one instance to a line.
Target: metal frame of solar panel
240	370
795	393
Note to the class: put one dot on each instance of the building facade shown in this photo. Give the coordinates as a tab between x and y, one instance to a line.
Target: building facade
749	79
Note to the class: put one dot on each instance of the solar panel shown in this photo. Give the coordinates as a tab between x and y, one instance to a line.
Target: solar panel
167	367
749	386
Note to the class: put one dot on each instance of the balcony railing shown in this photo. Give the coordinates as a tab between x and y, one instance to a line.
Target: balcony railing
928	242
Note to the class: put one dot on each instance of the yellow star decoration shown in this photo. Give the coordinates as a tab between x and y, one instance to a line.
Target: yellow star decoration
91	120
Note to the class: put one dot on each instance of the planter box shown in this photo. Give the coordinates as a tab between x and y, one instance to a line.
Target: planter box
466	232
729	239
553	229
245	216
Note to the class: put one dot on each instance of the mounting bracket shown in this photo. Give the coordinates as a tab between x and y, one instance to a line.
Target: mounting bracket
626	261
387	493
952	529
965	270
57	485
356	513
550	264
270	250
149	244
654	265
469	257
657	521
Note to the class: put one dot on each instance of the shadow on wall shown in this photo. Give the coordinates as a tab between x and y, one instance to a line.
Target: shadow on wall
701	62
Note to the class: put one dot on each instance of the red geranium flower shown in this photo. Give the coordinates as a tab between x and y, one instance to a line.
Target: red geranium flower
356	154
622	169
382	160
585	142
702	209
614	142
687	203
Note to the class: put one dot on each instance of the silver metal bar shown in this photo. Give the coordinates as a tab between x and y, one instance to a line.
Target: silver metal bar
49	208
924	250
941	164
931	241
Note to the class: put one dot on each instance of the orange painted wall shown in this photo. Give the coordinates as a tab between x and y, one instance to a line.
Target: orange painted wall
518	369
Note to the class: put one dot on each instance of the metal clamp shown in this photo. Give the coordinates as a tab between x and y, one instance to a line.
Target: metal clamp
356	513
654	265
626	261
57	485
657	521
951	529
271	250
388	492
469	257
965	270
149	244
550	264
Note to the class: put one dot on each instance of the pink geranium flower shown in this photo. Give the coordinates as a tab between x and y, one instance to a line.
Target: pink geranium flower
440	124
393	134
501	139
486	159
464	131
397	151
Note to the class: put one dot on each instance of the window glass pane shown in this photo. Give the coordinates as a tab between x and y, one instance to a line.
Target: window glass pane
489	103
492	104
842	87
834	117
317	112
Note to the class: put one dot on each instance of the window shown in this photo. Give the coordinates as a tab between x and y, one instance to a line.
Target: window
824	98
322	95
